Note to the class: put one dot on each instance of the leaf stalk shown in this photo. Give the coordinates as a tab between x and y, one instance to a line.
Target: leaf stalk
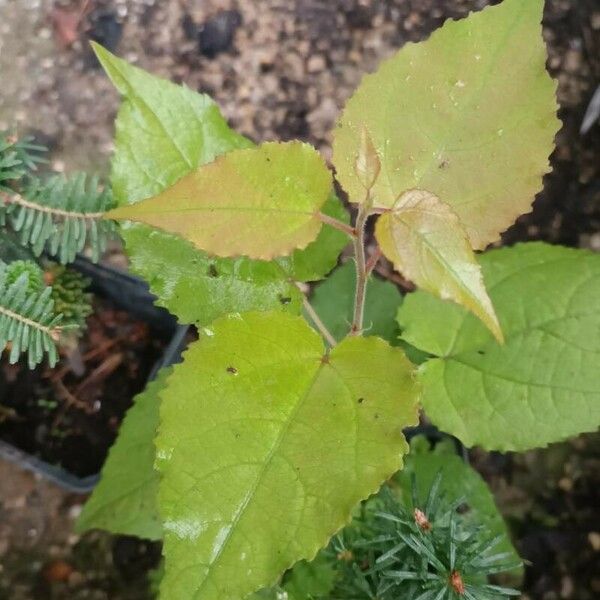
336	224
312	313
362	274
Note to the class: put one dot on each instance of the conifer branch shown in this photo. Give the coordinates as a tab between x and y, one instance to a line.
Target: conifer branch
53	332
60	215
28	322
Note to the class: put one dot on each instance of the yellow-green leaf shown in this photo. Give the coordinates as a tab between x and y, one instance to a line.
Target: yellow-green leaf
259	202
266	445
152	152
543	384
469	115
163	131
426	242
125	500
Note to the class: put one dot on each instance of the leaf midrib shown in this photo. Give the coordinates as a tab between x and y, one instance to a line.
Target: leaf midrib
131	94
169	210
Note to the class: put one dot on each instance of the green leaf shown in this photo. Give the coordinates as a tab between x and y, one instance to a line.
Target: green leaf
163	131
199	288
304	581
543	385
309	580
469	115
458	480
266	445
259	202
426	242
147	161
333	301
125	500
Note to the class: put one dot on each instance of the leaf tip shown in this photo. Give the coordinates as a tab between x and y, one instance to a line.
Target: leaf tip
494	326
102	54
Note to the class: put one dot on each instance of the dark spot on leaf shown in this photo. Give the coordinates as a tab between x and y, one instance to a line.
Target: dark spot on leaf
376	415
482	352
284	299
212	271
360	400
232	370
444	164
325	359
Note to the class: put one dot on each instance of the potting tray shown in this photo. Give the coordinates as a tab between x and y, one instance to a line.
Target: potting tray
123	307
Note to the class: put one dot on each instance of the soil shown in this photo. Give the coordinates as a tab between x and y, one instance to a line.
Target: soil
282	69
550	499
69	416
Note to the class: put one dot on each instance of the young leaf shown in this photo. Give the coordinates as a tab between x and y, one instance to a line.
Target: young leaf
124	502
543	385
367	166
426	242
265	446
259	202
469	115
333	300
152	152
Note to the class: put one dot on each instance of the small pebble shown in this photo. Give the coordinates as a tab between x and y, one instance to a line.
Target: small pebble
316	64
594	539
216	35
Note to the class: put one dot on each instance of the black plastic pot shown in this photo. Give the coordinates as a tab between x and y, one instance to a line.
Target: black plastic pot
132	295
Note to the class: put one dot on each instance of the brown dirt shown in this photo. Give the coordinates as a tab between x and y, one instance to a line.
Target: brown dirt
69	416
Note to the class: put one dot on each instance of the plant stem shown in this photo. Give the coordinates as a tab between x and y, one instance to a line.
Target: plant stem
378	210
312	313
361	267
373	260
347	229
